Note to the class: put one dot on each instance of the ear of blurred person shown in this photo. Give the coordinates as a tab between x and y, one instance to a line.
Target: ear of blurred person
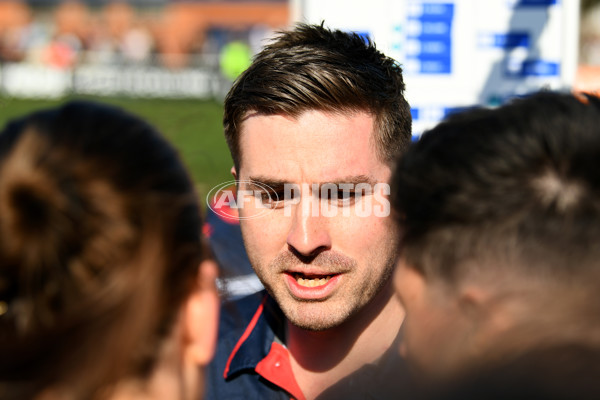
202	315
189	348
103	289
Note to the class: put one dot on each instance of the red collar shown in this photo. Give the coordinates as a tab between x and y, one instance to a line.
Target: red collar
275	366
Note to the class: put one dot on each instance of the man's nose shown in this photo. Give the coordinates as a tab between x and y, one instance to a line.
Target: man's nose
309	232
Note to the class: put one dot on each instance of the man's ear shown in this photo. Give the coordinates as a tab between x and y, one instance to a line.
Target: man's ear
201	316
234	172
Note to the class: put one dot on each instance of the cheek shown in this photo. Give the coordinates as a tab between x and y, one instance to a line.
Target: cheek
251	234
264	236
371	236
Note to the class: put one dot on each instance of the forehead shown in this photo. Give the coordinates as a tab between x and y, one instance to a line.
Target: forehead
315	146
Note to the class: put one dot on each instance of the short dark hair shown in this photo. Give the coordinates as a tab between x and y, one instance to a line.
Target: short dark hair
314	68
518	186
99	246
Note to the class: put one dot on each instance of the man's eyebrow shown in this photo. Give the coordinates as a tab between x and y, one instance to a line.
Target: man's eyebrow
258	181
354	179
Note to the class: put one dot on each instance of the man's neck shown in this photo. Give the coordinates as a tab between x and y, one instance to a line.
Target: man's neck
320	359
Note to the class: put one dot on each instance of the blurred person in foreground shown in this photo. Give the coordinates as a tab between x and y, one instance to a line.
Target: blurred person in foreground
313	126
104	293
499	272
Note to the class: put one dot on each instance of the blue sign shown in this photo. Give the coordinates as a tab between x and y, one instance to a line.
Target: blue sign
533	68
414	112
428	65
428	28
535	3
508	40
433	48
429	37
540	68
432	11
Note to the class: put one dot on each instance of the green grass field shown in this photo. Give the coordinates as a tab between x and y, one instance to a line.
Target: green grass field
193	126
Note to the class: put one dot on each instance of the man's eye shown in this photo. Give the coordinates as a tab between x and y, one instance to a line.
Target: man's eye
345	195
272	198
341	197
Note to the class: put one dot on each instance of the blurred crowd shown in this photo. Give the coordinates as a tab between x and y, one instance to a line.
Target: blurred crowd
177	35
174	35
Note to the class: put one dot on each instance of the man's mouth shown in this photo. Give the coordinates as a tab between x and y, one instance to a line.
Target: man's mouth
311	280
313	285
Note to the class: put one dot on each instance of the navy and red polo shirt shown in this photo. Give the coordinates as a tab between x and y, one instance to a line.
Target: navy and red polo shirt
252	361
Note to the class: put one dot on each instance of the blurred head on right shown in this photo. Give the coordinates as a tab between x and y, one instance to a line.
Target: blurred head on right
500	216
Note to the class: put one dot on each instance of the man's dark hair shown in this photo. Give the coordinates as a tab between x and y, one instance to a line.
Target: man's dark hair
314	68
516	189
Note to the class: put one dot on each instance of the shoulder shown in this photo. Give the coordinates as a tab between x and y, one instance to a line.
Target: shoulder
241	345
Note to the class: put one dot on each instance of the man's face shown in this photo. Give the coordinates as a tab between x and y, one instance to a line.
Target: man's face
436	335
323	259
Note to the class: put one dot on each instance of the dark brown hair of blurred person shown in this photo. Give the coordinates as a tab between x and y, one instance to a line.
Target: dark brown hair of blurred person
314	68
500	212
102	292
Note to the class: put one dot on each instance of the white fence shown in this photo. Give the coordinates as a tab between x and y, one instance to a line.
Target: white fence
34	81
